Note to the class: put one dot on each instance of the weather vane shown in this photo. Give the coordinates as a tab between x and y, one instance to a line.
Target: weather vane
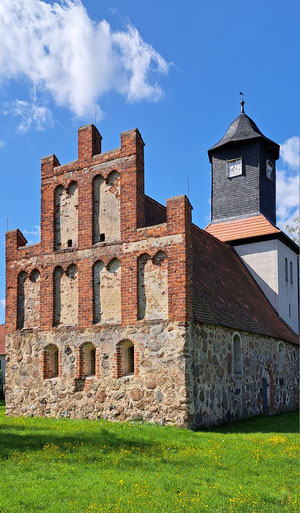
242	102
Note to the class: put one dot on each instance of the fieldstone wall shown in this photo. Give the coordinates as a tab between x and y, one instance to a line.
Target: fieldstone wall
156	392
183	375
265	385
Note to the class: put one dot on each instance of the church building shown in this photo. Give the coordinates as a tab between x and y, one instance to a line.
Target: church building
128	310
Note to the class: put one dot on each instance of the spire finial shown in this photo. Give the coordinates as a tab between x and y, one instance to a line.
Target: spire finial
242	102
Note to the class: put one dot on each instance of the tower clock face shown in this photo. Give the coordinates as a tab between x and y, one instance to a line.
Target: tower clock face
234	168
269	169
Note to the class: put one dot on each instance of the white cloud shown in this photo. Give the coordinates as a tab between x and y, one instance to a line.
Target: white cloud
287	192
31	115
290	152
2	303
287	184
60	50
35	232
2	143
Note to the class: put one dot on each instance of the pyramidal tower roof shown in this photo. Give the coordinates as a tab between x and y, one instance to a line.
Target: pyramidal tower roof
242	129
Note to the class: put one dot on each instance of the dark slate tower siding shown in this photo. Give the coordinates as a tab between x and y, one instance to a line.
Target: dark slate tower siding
249	194
267	187
252	192
238	196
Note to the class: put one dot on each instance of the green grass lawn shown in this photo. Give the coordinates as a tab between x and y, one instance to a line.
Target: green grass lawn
55	466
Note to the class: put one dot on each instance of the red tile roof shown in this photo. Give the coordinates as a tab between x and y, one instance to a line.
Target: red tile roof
224	292
2	339
242	228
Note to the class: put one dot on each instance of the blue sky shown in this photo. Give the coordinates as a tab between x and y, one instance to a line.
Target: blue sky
172	69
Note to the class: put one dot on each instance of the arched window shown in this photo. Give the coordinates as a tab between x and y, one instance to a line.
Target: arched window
58	272
125	358
50	364
66	216
21	299
237	354
66	296
106	208
281	357
34	276
28	309
32	300
97	268
153	286
107	291
87	360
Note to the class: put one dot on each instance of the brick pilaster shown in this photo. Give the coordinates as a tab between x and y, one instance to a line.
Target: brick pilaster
89	143
132	183
47	202
47	298
85	294
179	220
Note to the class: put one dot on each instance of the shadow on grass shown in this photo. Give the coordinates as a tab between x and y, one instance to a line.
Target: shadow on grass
281	423
107	442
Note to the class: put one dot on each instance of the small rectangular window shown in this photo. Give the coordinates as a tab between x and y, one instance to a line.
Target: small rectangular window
290	310
291	272
286	269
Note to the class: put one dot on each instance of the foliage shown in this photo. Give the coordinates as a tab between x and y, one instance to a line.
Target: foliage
59	466
294	229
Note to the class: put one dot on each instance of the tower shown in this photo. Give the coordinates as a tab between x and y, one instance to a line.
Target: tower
243	172
243	213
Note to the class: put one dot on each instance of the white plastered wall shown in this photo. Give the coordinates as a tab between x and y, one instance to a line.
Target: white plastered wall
288	292
266	262
261	260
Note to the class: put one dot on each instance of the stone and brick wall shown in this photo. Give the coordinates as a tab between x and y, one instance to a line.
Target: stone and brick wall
99	319
221	395
156	391
88	308
72	222
183	374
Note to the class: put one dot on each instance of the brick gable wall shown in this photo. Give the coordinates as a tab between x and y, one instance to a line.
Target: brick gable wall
172	236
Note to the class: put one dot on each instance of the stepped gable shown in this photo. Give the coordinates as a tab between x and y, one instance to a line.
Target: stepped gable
2	339
242	228
224	292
